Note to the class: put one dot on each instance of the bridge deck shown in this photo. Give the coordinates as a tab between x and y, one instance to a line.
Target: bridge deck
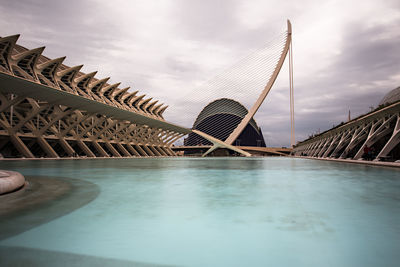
264	150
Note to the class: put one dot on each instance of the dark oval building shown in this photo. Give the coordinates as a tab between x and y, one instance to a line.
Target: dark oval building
219	118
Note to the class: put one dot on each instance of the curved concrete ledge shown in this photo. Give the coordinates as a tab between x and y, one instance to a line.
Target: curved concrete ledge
42	200
10	181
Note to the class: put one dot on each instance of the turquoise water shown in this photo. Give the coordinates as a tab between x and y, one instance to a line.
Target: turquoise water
223	212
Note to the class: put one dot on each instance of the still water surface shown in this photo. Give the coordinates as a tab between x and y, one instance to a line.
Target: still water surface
222	212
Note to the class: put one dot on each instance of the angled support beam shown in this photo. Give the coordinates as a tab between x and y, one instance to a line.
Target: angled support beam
161	151
344	140
46	147
21	147
123	150
392	142
112	149
166	151
155	151
219	144
7	103
99	149
132	150
54	120
80	118
331	146
148	151
357	137
318	147
171	152
375	134
67	148
141	151
85	149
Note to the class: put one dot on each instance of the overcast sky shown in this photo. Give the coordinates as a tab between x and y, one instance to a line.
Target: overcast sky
346	53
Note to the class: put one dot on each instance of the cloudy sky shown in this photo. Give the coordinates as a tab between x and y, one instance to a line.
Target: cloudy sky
346	53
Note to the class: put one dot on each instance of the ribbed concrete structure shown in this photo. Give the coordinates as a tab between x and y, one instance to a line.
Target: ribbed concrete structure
373	136
48	109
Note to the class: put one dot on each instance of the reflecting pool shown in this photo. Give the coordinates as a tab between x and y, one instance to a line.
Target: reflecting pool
202	212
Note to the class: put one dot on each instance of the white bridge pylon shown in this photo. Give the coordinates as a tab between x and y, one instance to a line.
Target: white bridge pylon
228	143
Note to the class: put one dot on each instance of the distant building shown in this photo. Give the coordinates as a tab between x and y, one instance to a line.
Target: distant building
391	97
219	118
372	136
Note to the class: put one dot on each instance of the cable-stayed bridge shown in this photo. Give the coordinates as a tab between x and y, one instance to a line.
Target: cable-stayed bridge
52	110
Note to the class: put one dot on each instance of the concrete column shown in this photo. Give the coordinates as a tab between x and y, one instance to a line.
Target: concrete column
141	151
392	142
99	149
324	146
327	146
331	146
148	151
162	152
343	142
85	149
357	137
21	147
132	150
375	134
312	148
70	151
155	151
112	149
46	147
316	149
168	153
124	151
171	151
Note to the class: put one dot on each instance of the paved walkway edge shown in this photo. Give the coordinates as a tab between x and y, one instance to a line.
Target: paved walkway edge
371	163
